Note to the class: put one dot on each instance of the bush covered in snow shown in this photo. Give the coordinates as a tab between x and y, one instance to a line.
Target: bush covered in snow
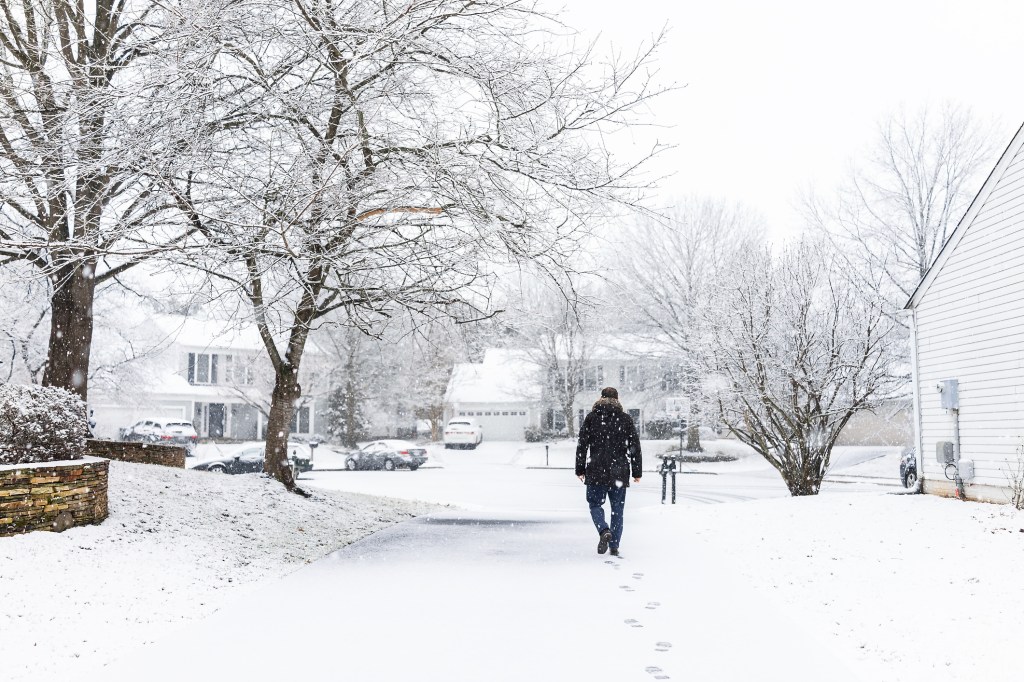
40	424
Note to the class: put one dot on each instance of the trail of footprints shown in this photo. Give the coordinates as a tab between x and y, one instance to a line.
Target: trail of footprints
653	670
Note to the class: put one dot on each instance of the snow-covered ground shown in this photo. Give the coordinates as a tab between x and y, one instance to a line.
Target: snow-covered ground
847	586
736	582
177	546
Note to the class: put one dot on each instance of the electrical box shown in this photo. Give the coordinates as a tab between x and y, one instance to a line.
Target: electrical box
949	394
944	452
966	468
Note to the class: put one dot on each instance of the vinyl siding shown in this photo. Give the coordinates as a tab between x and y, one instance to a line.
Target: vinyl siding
970	327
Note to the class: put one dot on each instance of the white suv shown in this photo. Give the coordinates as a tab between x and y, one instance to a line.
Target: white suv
463	432
169	431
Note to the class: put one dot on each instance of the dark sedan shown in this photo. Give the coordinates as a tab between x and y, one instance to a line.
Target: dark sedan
388	455
250	460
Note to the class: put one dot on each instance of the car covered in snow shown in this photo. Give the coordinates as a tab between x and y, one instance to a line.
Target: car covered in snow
463	432
164	431
388	455
249	460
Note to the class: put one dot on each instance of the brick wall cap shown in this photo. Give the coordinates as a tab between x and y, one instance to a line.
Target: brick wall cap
72	463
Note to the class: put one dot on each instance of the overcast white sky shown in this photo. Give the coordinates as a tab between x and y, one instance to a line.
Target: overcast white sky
781	95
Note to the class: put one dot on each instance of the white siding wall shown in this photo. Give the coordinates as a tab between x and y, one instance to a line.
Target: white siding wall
970	326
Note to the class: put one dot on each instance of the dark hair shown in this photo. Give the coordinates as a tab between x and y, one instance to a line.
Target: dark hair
609	392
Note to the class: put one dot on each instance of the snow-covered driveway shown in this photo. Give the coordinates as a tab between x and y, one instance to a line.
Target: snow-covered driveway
496	596
507	587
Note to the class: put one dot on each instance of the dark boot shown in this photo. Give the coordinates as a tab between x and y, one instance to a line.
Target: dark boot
615	551
606	537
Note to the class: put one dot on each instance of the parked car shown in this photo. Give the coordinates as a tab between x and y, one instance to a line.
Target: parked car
250	460
387	455
908	467
164	432
462	432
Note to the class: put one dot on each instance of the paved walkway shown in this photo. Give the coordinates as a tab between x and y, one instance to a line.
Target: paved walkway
490	597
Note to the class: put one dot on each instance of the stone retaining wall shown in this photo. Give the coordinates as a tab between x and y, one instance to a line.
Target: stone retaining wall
52	495
138	453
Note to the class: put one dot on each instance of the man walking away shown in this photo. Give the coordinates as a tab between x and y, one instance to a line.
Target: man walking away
610	435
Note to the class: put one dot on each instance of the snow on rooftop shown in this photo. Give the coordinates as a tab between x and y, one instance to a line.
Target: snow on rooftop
212	333
503	376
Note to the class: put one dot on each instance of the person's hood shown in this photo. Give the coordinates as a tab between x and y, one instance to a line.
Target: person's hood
608	404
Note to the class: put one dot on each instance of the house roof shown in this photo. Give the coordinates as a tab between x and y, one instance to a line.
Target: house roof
199	333
504	376
972	211
215	334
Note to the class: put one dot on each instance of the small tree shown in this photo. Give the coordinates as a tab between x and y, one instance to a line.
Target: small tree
668	267
40	424
346	421
1014	473
797	350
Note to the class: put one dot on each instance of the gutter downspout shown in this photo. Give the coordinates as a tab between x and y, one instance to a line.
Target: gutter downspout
916	378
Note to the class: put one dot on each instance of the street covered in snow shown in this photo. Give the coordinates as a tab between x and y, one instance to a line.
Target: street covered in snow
738	581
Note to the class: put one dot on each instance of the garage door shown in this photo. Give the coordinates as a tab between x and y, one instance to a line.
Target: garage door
502	424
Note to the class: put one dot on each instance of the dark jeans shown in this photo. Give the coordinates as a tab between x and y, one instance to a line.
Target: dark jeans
617	498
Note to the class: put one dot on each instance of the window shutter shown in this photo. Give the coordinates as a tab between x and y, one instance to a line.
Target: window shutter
191	368
213	369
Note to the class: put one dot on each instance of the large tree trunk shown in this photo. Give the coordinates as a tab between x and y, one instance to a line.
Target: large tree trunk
71	305
286	392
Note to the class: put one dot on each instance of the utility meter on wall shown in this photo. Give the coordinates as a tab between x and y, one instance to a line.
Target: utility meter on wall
949	394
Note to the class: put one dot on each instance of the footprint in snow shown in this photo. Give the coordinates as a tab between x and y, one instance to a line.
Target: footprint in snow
663	646
638	576
627	588
656	672
653	605
633	623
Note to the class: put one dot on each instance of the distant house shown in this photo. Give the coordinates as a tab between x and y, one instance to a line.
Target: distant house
968	328
501	393
505	392
211	374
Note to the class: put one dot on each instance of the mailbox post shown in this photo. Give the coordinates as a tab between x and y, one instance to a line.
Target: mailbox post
668	466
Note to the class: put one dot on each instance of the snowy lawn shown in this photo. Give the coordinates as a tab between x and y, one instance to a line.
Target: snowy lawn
178	545
907	587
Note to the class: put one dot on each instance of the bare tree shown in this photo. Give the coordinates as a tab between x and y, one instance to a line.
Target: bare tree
896	209
798	349
387	153
89	112
553	324
669	268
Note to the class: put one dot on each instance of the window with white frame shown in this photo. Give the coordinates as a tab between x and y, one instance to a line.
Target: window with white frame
202	368
593	378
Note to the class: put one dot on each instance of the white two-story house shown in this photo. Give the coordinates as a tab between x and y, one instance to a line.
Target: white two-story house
210	373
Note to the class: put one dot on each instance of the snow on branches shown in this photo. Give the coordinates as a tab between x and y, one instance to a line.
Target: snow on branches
797	349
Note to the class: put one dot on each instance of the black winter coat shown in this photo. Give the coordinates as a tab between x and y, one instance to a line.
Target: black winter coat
610	435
